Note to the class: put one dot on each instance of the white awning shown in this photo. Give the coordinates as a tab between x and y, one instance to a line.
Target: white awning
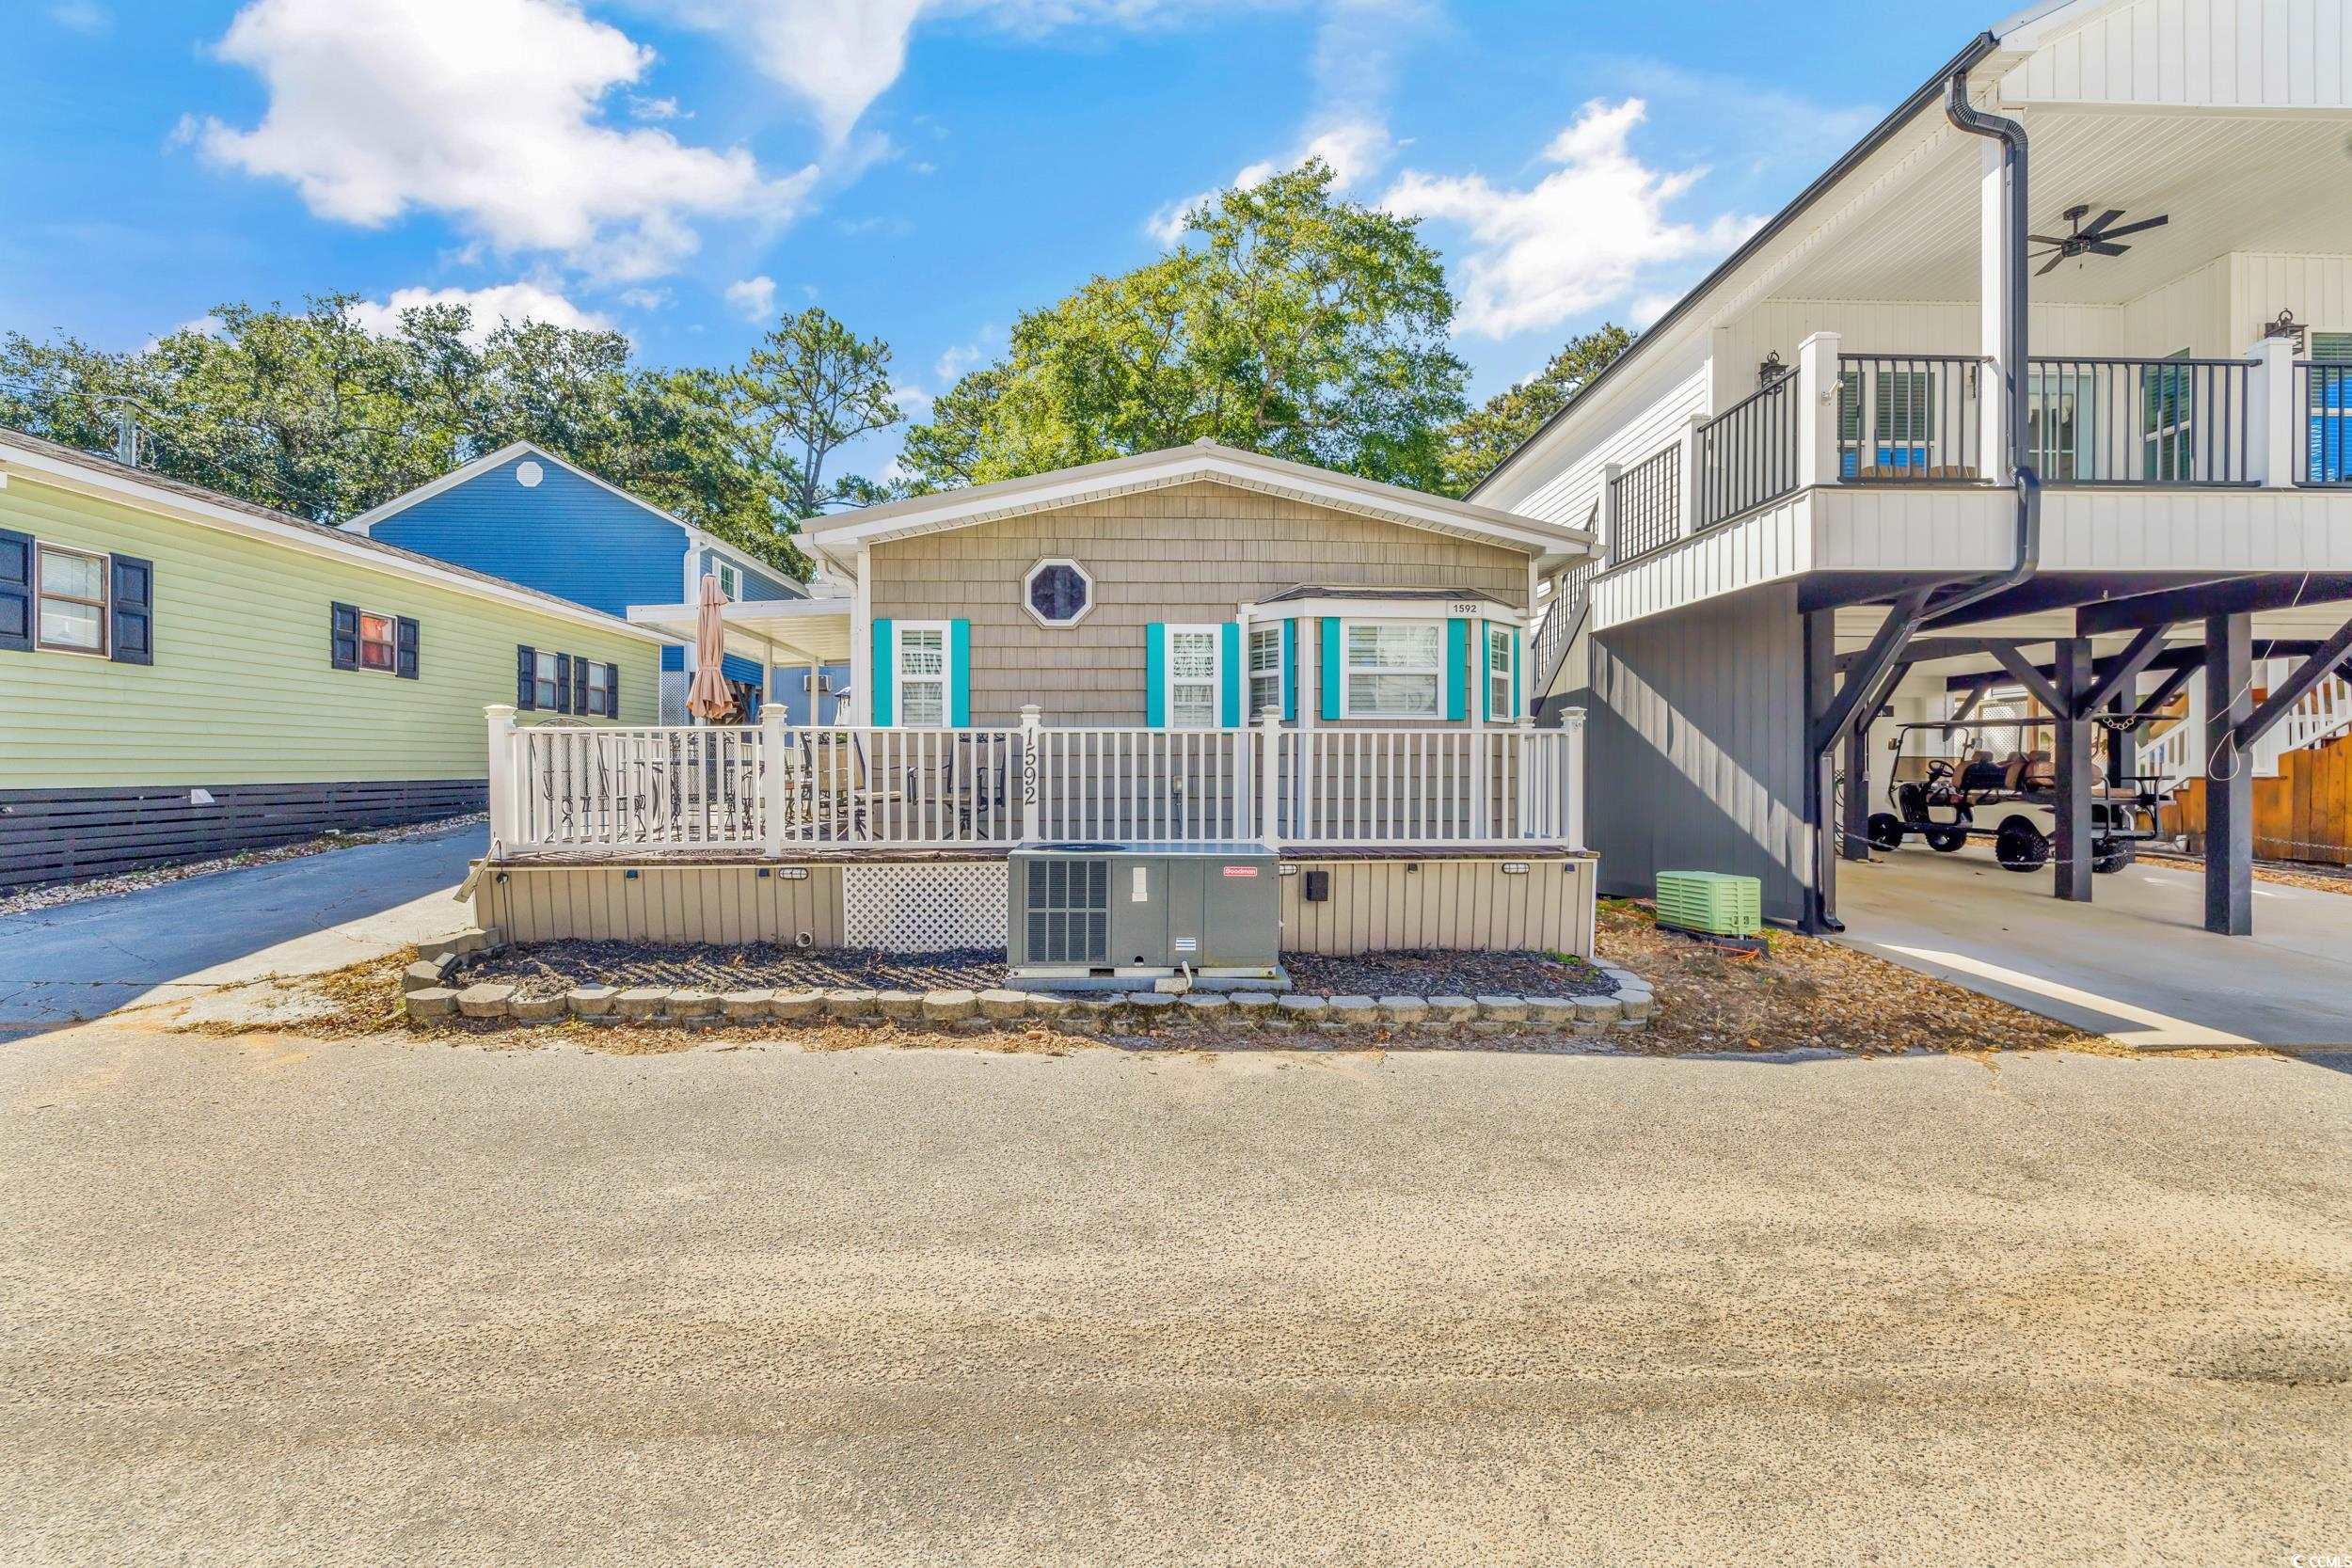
767	631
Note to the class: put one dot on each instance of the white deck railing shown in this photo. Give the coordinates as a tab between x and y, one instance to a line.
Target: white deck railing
2320	715
774	787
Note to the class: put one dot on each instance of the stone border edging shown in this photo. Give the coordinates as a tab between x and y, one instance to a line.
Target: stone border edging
427	996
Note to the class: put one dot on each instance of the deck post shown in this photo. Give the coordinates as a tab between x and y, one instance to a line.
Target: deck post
1854	827
1572	775
505	820
1270	775
1817	410
2071	857
2228	774
2271	414
774	803
1032	768
1819	690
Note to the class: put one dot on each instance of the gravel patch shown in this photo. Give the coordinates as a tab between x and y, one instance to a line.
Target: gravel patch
551	969
1437	973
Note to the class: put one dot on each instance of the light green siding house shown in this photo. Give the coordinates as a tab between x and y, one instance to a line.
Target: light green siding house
183	674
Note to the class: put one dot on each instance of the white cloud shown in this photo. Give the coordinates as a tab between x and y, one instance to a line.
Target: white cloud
645	299
491	306
1591	235
753	299
82	16
839	56
951	365
487	111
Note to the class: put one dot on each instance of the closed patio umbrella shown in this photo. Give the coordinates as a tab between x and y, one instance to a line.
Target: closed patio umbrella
708	698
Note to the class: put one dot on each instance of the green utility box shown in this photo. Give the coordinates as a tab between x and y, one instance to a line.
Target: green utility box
1711	901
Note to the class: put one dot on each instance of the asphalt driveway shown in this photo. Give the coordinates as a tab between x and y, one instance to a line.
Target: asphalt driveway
279	1301
2135	963
183	939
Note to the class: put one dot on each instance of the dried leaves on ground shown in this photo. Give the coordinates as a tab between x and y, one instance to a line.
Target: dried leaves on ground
1446	974
1801	992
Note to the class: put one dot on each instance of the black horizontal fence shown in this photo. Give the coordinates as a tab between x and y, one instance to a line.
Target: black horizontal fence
1747	454
1909	418
1646	502
2139	421
2322	394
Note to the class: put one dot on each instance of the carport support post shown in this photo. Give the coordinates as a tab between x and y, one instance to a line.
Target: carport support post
1820	686
2229	776
1854	832
2072	666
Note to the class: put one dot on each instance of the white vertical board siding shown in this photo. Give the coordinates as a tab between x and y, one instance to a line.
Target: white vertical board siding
2191	312
1763	546
2220	54
2227	531
1906	528
2318	289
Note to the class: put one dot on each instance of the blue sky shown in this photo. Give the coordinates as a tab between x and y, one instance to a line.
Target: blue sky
923	168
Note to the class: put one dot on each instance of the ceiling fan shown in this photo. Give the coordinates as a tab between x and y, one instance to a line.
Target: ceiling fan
2097	240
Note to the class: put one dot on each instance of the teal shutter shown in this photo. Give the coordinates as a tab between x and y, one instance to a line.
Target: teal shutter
885	675
1485	669
1331	674
1457	636
960	674
1156	675
1290	671
1229	663
1519	660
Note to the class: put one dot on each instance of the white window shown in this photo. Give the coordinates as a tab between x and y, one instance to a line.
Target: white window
72	601
547	691
375	641
923	675
1394	669
1194	674
730	580
600	691
1501	644
1265	669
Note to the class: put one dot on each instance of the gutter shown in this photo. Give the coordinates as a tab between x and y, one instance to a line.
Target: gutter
1877	136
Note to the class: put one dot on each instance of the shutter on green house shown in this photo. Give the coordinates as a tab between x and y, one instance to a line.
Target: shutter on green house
1156	675
960	674
16	591
1329	672
342	635
1290	671
407	644
1229	700
526	676
885	661
131	611
1458	640
563	683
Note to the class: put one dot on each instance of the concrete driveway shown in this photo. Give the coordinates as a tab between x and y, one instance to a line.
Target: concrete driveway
2137	963
279	1301
183	939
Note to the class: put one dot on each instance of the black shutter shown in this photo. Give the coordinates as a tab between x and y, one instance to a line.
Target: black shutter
612	690
132	631
404	648
526	677
563	683
579	685
342	635
16	591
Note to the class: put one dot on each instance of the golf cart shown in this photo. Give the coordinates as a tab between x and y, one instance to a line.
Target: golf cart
1941	789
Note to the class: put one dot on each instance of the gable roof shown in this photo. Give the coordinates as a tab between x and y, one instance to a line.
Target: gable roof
839	539
73	468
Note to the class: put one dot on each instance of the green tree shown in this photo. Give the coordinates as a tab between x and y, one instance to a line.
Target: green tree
809	388
1289	321
1497	428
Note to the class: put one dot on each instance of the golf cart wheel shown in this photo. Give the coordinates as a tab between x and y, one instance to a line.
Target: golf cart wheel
2020	846
1886	831
2111	854
1947	838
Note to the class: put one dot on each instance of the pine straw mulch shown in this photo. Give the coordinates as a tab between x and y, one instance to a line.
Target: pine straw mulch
550	969
1800	993
1804	993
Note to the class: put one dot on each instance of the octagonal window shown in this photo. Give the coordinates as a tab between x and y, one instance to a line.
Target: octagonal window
1060	593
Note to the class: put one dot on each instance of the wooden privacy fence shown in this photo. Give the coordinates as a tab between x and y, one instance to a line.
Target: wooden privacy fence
773	787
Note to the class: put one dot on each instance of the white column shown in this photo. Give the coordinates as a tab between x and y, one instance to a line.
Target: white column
772	777
1690	498
1817	410
1572	725
1270	775
1609	474
1032	770
2273	416
504	818
1992	281
861	643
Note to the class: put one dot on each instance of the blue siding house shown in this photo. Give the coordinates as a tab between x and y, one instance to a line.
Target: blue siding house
525	514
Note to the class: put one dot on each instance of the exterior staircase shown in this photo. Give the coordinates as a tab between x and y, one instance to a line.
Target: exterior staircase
2176	755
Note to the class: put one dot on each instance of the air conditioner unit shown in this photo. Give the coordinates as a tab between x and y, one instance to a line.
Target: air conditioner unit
1103	916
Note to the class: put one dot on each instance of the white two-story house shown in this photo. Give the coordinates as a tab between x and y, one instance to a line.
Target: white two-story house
2048	379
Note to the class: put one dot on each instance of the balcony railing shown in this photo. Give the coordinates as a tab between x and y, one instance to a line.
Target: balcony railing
1747	454
1909	418
779	790
2142	422
1646	500
2323	400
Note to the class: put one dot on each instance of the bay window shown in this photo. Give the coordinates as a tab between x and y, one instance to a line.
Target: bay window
1265	669
1394	669
1501	685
